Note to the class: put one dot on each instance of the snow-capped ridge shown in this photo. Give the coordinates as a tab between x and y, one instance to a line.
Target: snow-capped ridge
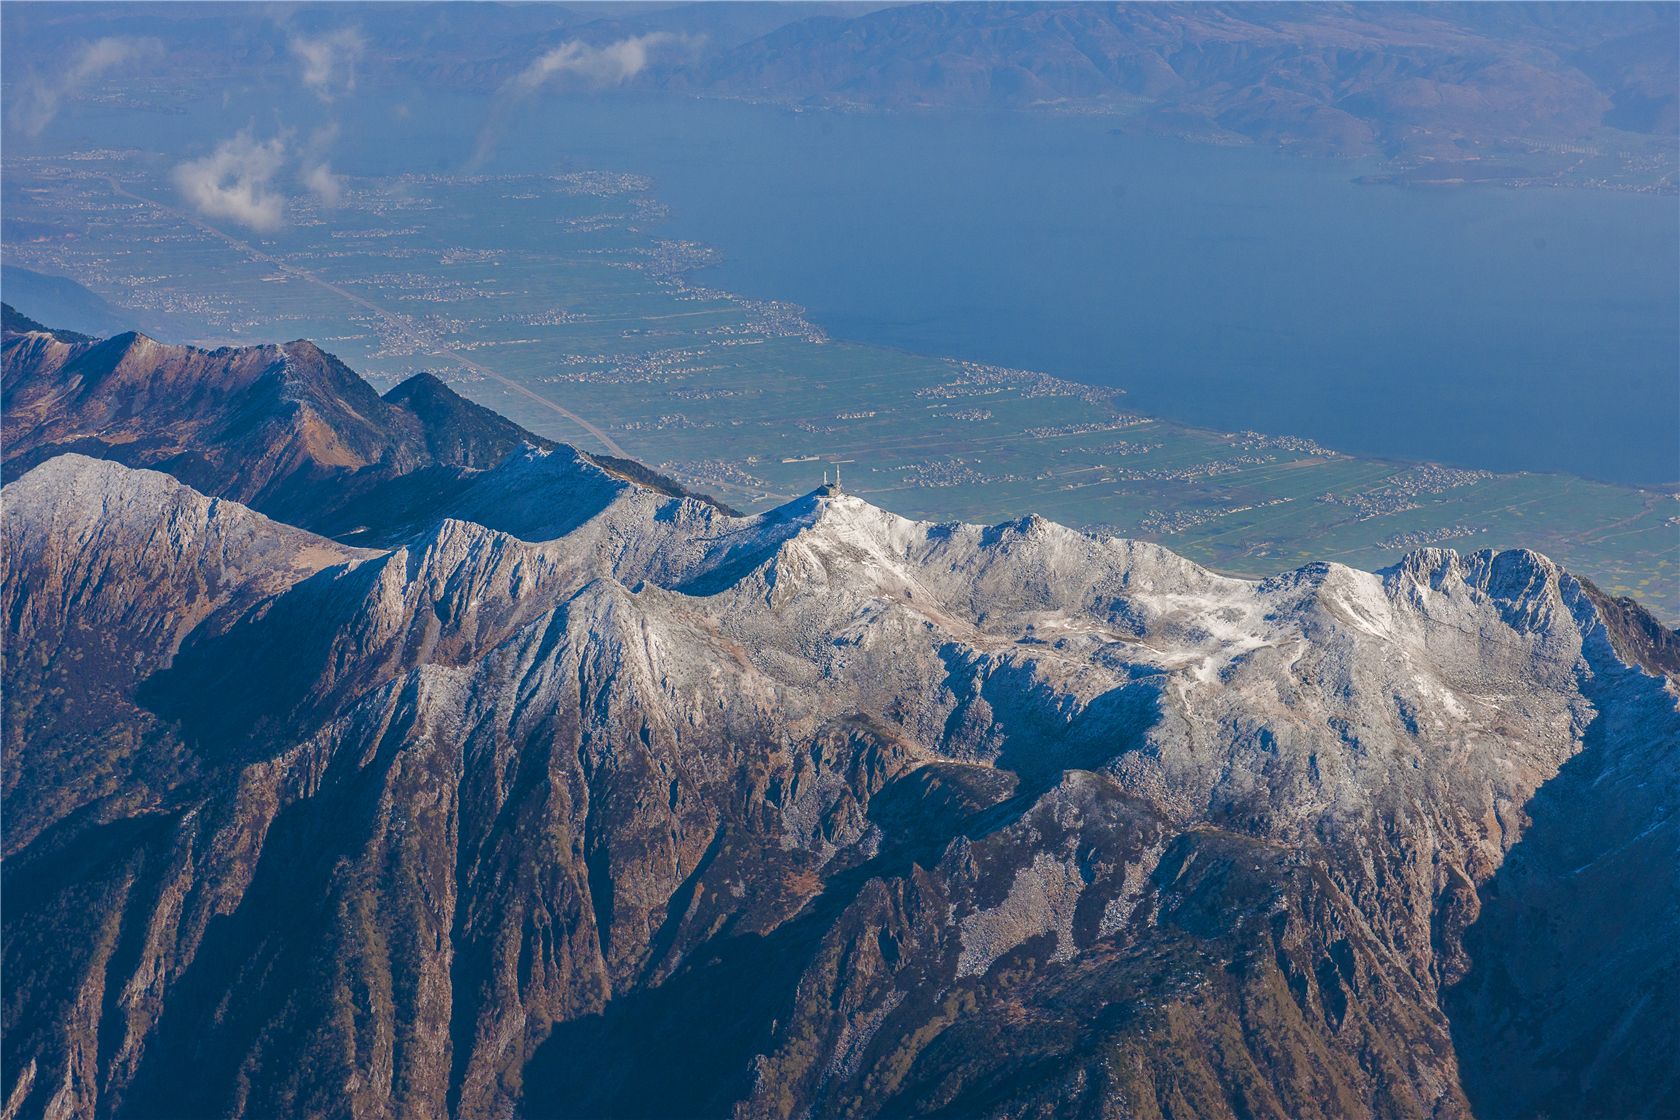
568	735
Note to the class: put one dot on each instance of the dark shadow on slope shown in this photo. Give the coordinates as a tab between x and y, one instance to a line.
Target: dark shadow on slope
737	554
250	1012
60	894
685	1048
1042	731
241	692
494	872
1571	1005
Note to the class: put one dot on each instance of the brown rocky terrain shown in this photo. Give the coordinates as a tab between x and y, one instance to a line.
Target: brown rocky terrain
577	798
287	430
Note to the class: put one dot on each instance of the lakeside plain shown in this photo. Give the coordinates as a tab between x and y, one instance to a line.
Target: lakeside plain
555	298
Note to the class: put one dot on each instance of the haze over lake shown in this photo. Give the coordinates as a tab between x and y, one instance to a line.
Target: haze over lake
1486	327
1236	288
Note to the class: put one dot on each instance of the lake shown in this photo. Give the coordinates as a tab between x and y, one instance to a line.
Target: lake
1235	288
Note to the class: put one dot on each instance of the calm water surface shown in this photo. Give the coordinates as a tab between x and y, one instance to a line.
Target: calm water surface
1234	288
1535	329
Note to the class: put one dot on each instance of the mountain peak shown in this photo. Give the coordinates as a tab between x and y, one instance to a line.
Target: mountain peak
288	429
941	812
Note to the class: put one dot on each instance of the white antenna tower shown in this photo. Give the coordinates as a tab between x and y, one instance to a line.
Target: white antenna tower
837	476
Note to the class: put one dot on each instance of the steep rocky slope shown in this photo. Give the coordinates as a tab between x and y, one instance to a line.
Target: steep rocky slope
288	430
590	800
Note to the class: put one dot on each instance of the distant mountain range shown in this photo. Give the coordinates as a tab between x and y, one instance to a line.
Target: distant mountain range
367	756
1349	79
1438	81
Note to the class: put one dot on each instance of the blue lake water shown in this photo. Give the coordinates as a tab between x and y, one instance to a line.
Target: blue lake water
1234	288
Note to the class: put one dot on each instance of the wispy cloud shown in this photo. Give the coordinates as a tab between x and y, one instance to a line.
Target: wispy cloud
329	61
609	65
236	182
38	98
578	63
317	174
323	183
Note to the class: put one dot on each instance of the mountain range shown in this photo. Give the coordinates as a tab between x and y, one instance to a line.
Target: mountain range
367	756
1437	81
1337	79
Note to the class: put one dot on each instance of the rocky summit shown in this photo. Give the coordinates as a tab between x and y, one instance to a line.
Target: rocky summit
516	783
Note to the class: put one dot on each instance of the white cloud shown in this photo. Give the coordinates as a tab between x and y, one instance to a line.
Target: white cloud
236	182
39	99
323	184
315	167
598	67
610	65
329	61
